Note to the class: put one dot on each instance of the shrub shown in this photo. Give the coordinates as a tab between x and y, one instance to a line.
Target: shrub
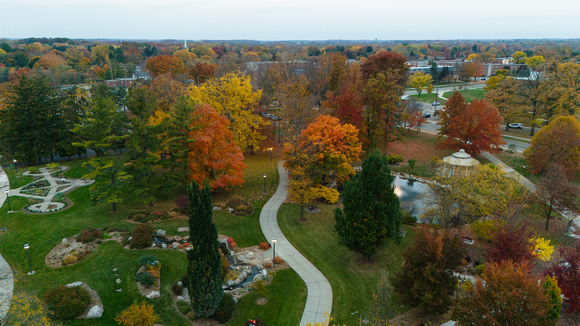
225	265
257	322
267	265
70	259
408	218
191	315
265	245
89	235
177	290
412	162
231	242
395	158
34	170
53	166
142	237
325	194
185	280
278	260
141	314
182	203
183	307
154	270
259	287
66	302
479	269
226	308
145	279
148	259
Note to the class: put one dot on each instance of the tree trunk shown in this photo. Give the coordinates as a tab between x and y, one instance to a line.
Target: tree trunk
548	216
114	207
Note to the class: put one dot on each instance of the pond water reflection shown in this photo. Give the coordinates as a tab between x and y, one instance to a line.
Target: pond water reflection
411	192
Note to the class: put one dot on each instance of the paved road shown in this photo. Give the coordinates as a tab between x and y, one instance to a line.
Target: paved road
6	276
319	300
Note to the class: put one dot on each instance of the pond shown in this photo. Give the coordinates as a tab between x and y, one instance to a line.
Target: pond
410	192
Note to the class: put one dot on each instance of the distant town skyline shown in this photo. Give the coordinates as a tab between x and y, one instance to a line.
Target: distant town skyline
289	20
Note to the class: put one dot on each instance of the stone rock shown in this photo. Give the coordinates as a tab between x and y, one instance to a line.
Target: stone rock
161	233
184	229
175	245
180	298
115	269
64	241
164	246
153	295
119	290
74	285
230	283
250	255
179	283
118	281
153	245
177	238
267	260
216	208
258	277
95	312
264	273
243	275
130	238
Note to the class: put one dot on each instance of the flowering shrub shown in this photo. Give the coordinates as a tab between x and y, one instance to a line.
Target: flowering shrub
264	245
277	260
231	242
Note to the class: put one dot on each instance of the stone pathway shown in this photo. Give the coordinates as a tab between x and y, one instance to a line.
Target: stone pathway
6	276
47	204
319	299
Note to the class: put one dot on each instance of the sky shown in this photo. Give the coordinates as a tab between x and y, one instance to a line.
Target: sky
290	20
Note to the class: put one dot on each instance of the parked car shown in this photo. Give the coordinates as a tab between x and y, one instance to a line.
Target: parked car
427	115
435	103
516	125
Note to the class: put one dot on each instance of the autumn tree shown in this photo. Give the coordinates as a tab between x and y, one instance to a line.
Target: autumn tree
371	213
511	243
567	273
163	64
348	104
508	295
138	314
560	90
384	78
420	81
426	279
233	97
213	152
555	191
559	142
296	103
202	71
204	263
504	96
322	155
473	127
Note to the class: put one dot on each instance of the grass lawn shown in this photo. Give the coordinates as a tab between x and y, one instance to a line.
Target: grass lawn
469	94
286	299
43	231
426	98
420	147
352	277
516	133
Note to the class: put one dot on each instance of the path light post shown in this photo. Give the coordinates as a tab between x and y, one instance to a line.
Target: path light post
63	180
15	168
264	184
274	251
270	149
26	246
8	200
361	320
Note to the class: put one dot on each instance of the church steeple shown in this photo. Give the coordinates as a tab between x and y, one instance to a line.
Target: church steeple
185	44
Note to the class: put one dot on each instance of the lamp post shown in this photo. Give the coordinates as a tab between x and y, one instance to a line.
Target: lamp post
8	200
264	184
63	180
274	251
26	246
15	168
361	320
270	149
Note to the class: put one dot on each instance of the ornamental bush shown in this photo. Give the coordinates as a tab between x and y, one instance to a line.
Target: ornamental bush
66	302
142	237
226	308
145	278
148	259
141	314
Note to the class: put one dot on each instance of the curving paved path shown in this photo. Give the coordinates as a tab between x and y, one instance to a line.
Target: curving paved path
6	276
319	299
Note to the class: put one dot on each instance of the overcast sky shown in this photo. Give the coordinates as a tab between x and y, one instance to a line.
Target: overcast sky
290	20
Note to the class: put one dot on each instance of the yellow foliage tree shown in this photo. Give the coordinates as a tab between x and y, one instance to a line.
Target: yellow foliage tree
542	248
232	96
420	81
138	314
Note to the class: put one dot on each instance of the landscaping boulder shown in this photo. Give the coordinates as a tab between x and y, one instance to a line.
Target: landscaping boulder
184	229
161	233
74	285
95	312
153	295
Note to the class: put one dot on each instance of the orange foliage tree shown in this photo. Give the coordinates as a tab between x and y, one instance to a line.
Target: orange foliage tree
202	71
213	153
321	158
473	127
162	64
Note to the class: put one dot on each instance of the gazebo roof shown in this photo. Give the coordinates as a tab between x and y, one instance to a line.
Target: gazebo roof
461	158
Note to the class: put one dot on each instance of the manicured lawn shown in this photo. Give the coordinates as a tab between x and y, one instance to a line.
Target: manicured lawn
426	98
43	231
17	182
351	276
469	94
286	299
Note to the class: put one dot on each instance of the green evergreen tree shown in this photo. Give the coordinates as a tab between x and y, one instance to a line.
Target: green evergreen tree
371	212
434	71
204	269
143	143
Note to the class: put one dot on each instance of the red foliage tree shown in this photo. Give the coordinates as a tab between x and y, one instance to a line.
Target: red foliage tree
511	243
202	71
163	64
348	104
391	63
568	275
213	153
474	127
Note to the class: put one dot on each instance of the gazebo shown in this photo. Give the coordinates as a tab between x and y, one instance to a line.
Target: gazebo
459	163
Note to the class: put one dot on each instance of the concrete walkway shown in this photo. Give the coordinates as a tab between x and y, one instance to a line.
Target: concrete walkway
319	300
6	276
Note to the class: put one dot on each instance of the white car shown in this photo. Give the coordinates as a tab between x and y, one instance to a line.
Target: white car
516	125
